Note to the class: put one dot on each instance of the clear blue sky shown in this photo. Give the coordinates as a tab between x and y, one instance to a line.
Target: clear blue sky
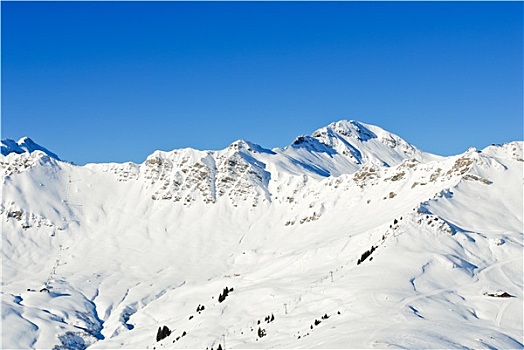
114	81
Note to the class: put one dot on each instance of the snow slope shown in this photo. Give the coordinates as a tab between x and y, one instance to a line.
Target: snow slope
348	238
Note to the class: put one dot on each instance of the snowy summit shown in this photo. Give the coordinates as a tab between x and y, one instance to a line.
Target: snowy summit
350	237
24	145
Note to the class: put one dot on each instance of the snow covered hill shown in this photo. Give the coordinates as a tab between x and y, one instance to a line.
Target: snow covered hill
348	238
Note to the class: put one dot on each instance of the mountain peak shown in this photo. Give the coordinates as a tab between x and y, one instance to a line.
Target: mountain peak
239	145
348	128
367	143
24	145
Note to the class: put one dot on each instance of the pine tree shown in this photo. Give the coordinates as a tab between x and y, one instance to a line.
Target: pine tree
162	333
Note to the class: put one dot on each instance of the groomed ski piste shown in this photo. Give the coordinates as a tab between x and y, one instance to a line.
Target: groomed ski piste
348	238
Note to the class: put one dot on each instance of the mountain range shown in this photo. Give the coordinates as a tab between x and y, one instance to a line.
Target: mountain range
350	237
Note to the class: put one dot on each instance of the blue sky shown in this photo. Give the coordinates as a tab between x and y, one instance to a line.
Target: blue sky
114	81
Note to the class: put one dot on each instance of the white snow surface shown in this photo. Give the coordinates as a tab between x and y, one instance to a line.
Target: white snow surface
100	256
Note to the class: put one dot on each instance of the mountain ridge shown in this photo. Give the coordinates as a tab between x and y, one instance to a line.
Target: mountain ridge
344	128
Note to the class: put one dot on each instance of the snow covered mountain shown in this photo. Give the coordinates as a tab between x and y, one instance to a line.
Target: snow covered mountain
24	145
348	238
